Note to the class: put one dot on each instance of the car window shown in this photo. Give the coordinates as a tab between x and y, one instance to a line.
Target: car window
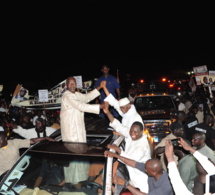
54	162
153	102
52	168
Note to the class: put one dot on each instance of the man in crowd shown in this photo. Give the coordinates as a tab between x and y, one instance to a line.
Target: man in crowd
176	181
41	130
158	180
206	128
177	131
9	150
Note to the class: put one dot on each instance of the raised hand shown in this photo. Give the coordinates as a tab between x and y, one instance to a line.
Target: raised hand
186	146
106	107
169	150
103	84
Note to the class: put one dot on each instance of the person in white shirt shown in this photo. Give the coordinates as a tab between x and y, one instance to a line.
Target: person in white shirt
136	148
126	110
38	115
41	130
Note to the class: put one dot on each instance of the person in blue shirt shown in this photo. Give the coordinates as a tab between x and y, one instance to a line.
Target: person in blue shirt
113	87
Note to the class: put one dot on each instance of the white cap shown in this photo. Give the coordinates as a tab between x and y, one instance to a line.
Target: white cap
124	101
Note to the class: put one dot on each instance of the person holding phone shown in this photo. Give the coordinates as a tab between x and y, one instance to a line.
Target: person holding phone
177	183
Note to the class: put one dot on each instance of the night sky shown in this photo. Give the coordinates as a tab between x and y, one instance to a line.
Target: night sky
43	47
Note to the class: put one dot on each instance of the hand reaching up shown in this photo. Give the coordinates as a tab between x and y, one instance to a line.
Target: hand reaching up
103	84
169	151
186	146
106	107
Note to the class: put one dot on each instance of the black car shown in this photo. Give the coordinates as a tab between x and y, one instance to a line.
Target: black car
21	178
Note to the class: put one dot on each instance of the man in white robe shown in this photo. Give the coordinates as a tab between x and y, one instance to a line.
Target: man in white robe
73	106
126	110
136	148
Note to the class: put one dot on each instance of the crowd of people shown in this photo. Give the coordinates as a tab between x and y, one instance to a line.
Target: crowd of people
178	167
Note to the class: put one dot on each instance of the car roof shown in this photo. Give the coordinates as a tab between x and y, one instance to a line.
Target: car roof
68	148
95	146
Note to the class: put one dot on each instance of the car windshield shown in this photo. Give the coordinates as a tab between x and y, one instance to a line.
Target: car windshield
153	102
57	168
47	170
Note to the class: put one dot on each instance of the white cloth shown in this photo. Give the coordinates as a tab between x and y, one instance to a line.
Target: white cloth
35	118
128	118
113	102
124	101
73	107
76	172
31	133
206	164
200	116
3	110
138	150
176	181
181	107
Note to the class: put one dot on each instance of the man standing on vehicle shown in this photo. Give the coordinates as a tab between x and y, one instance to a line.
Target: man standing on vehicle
73	106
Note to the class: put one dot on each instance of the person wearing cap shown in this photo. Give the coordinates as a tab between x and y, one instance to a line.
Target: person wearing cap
40	130
136	146
126	110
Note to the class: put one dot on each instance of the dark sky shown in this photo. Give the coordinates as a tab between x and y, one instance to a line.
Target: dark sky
48	44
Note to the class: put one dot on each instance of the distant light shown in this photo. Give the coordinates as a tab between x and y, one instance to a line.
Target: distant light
163	79
171	85
141	81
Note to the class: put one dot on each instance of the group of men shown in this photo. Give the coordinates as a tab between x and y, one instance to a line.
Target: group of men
147	175
130	125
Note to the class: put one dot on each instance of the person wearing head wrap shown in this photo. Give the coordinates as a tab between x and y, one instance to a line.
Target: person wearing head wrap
137	150
41	130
